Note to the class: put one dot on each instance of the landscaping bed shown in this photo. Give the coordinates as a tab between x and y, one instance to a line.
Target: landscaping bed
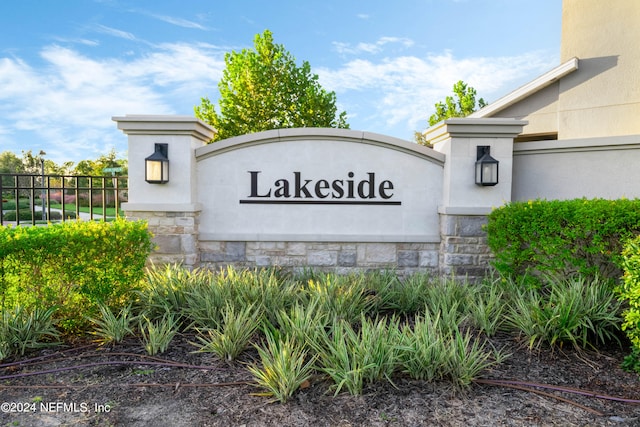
130	390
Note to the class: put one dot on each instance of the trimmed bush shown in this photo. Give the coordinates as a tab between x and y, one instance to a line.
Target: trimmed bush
562	237
74	266
629	291
10	204
26	215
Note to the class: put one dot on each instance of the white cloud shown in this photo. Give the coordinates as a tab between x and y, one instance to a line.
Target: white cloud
70	101
85	42
371	48
404	89
114	32
179	22
67	104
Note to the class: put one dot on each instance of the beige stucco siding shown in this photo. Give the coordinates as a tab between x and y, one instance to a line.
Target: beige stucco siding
603	97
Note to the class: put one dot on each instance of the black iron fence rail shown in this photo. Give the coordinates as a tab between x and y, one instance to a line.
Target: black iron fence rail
37	199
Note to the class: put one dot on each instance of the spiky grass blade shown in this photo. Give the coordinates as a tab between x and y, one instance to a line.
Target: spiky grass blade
284	366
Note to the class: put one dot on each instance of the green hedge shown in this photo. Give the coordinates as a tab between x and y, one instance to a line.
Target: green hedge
26	216
10	204
72	265
629	291
584	236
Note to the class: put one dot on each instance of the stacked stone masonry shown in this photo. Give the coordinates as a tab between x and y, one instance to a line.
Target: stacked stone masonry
339	257
462	251
175	235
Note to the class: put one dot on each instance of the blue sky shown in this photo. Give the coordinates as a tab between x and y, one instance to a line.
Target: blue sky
68	66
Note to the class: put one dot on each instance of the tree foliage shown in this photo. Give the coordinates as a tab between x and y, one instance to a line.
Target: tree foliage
263	88
462	105
96	167
10	163
30	163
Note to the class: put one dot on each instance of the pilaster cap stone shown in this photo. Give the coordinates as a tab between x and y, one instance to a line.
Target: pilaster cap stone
475	128
137	124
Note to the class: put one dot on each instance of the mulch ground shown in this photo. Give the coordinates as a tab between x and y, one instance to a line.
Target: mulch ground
88	385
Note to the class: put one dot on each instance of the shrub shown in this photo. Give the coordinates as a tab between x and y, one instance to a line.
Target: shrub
10	204
25	215
629	291
565	237
74	266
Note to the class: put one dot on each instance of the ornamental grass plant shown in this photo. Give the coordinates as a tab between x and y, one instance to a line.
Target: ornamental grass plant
304	324
156	335
353	330
284	366
341	297
566	311
22	329
232	334
353	357
112	328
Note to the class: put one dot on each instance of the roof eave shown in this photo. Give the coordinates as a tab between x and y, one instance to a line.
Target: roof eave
528	89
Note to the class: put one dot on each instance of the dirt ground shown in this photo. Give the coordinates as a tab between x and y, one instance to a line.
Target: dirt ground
86	385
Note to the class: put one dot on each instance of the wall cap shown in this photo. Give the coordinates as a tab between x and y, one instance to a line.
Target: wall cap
146	124
579	145
331	134
475	128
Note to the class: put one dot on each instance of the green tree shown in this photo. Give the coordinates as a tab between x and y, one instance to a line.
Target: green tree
462	105
263	88
96	167
10	163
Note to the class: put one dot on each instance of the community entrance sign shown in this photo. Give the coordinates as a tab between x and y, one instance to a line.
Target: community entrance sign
341	185
333	199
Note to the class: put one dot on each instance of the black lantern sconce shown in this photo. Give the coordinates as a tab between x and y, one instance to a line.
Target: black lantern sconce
156	166
486	167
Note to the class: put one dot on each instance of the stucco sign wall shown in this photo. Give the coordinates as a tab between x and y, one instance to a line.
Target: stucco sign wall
332	199
319	185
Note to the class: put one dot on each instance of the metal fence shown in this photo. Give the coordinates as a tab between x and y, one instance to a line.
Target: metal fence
41	199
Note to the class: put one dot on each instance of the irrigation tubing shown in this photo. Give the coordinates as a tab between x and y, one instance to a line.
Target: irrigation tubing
557	388
39	359
542	393
154	361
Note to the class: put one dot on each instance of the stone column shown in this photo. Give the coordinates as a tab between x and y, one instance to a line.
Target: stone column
465	205
172	209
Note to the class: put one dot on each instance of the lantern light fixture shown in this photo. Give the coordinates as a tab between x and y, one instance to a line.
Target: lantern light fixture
156	166
486	167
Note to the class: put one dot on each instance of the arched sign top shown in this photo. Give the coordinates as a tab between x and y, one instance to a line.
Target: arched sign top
325	134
